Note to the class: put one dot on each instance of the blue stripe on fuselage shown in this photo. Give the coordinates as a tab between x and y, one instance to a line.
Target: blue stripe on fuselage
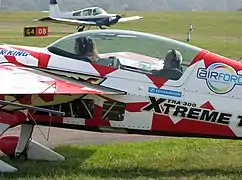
99	21
92	19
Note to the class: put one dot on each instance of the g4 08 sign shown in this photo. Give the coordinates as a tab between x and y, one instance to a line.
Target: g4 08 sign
36	31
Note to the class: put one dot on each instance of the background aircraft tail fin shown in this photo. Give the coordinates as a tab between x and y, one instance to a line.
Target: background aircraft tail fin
54	9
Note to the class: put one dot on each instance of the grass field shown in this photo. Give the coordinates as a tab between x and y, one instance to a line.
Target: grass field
219	32
169	158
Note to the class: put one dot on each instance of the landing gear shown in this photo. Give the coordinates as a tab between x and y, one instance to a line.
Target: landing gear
80	28
102	27
23	148
24	141
20	156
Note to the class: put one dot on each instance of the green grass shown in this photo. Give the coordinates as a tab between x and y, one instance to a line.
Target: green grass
219	32
181	159
195	159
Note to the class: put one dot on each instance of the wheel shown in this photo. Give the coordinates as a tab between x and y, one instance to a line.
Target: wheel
80	29
21	156
102	27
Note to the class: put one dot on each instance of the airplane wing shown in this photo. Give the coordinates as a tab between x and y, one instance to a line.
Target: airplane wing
65	21
17	80
131	18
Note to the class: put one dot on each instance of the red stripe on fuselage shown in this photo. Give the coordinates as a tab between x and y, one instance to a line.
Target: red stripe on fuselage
97	120
43	59
199	57
158	82
164	123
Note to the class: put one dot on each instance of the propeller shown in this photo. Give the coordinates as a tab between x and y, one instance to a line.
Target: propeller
119	16
123	15
111	20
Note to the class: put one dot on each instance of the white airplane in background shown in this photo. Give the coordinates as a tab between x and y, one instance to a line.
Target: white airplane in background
92	16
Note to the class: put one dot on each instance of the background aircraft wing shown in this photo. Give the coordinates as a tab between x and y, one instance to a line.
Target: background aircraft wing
131	18
65	21
16	80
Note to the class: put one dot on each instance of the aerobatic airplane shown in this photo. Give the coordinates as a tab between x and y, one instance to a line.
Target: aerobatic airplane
92	16
123	90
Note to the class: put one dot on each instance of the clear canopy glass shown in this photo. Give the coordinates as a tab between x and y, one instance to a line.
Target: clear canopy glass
139	50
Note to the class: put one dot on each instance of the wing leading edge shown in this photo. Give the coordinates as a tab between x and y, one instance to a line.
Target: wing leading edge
80	23
66	21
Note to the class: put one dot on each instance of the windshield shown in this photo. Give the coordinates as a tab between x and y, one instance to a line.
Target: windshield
77	13
140	52
98	11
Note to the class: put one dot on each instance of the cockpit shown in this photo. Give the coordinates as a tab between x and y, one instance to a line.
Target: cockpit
98	11
93	11
129	50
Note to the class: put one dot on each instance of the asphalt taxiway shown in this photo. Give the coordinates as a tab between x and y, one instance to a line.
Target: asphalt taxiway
60	136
